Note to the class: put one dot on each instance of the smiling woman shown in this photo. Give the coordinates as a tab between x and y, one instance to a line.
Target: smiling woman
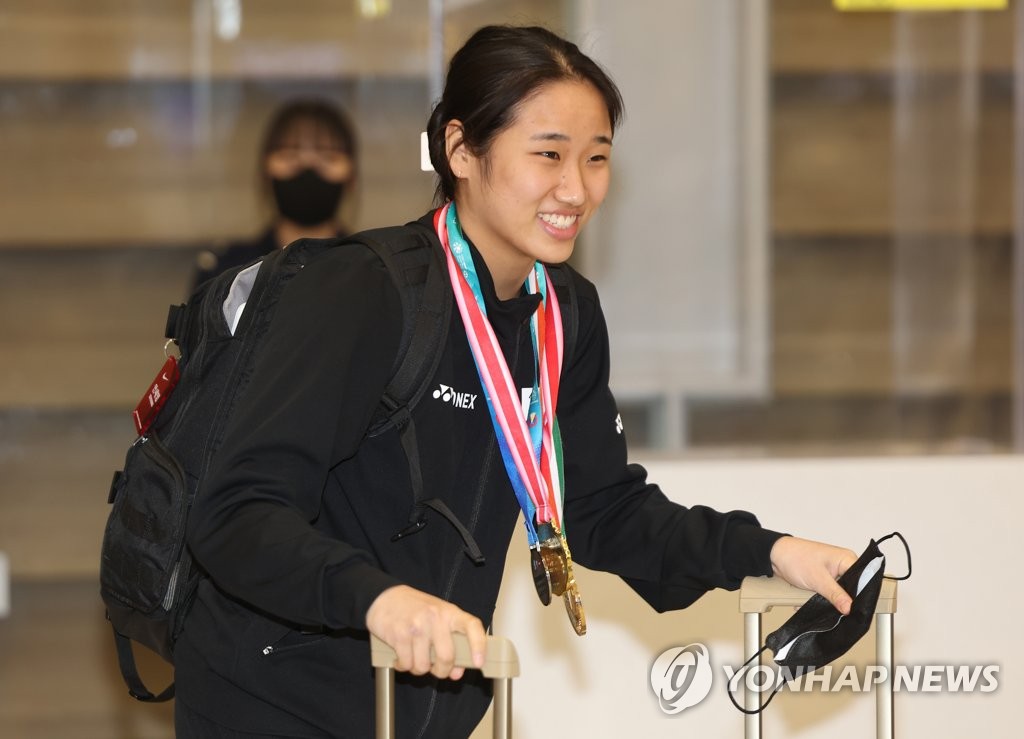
540	181
314	531
521	141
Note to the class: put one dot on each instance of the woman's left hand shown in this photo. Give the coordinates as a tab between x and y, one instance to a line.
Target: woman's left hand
812	565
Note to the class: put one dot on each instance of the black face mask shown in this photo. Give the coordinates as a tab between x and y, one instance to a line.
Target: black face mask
817	633
307	198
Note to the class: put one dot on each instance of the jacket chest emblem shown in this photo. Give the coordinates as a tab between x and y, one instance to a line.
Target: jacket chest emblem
448	394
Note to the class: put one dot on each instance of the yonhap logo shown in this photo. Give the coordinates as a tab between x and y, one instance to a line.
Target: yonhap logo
681	677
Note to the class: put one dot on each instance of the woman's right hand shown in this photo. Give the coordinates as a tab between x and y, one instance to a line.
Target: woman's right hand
412	622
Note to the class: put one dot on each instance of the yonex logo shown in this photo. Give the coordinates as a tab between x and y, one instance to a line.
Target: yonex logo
457	399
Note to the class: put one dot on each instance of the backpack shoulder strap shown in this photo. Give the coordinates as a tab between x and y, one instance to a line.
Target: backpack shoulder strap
415	265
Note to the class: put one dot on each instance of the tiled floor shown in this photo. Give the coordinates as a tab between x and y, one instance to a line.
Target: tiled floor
58	670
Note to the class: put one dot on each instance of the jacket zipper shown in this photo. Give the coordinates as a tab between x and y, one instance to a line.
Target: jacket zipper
460	557
274	649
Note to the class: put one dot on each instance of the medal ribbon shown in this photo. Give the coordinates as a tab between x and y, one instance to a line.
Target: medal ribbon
532	455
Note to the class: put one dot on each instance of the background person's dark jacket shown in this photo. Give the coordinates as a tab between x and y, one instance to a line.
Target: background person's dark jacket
212	262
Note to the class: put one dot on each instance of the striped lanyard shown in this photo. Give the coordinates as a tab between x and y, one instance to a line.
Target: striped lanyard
529	440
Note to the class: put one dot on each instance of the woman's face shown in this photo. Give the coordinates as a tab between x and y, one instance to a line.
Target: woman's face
306	145
543	178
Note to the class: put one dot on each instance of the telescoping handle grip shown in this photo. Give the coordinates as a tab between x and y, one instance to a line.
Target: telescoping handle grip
501	664
500	661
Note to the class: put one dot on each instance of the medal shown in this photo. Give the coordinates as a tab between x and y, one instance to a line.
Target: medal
556	564
531	452
552	575
574	607
541	578
549	564
572	598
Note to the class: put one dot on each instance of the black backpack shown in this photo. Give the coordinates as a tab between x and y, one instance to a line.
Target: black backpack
147	576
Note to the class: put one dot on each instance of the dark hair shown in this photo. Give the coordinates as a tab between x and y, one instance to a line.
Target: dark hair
321	114
491	75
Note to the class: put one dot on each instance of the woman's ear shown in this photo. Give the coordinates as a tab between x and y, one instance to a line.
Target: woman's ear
455	148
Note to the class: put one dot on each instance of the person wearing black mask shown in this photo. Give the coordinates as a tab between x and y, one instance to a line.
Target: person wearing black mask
307	163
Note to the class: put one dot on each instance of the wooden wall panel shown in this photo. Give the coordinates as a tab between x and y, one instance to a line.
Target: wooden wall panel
152	39
865	426
120	131
59	675
831	317
834	161
56	469
812	36
62	39
84	329
96	164
992	288
832	312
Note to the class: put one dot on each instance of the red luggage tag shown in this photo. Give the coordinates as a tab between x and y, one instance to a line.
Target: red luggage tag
157	394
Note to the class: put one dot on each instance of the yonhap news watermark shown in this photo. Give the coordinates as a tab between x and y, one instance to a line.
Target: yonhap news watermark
829	679
682	677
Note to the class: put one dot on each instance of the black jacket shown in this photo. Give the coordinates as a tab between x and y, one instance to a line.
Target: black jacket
295	523
212	262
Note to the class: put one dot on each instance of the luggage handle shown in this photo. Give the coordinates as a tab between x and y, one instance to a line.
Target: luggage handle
501	659
758	595
501	664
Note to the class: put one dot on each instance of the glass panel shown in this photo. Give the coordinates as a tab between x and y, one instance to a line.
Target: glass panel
808	247
142	120
679	250
131	137
887	250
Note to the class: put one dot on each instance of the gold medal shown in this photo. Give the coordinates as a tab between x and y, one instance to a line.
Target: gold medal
556	565
574	607
549	565
574	604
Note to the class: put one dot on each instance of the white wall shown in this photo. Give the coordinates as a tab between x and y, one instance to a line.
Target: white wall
960	516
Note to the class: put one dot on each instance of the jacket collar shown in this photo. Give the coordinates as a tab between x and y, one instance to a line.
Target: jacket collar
505	316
